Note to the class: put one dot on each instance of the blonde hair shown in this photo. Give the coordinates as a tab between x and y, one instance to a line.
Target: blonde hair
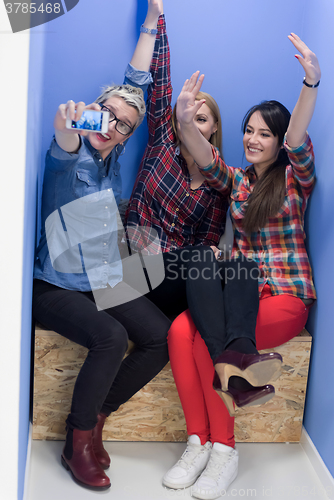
217	137
133	96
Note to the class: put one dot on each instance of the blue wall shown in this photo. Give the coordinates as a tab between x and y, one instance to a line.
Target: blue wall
233	43
246	56
33	162
320	394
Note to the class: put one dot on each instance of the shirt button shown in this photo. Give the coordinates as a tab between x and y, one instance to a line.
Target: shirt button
105	262
104	244
100	159
187	194
105	225
177	210
108	189
105	207
173	224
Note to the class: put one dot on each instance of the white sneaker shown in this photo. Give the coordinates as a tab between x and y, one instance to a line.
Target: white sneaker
221	470
191	464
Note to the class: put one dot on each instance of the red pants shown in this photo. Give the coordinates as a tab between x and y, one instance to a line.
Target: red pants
280	318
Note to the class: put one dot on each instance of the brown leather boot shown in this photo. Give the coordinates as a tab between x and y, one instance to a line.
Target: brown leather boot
100	453
78	457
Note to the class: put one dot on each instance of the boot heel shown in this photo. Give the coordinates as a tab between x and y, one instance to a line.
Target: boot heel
64	464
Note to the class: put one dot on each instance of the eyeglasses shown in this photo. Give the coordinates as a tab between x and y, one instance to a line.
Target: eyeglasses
121	127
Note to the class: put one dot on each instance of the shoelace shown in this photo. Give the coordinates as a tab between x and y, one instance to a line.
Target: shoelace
190	454
215	465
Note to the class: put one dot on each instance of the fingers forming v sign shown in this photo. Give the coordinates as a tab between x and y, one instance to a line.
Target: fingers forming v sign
187	106
308	60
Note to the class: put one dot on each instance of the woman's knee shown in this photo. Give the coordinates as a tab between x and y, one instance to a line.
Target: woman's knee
182	330
112	337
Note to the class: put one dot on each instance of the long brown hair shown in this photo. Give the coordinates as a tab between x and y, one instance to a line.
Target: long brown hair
269	191
217	137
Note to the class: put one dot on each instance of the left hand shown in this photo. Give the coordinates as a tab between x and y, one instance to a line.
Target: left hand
187	106
308	60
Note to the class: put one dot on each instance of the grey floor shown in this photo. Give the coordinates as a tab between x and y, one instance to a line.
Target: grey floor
279	471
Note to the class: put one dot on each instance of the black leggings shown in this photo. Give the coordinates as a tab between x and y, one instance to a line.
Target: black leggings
223	300
106	380
222	296
171	295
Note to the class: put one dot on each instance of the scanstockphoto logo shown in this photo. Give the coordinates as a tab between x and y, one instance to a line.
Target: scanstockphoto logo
26	15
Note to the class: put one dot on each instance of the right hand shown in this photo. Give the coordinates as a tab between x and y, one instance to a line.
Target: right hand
75	111
187	106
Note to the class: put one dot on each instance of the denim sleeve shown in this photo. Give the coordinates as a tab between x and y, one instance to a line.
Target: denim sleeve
58	159
137	78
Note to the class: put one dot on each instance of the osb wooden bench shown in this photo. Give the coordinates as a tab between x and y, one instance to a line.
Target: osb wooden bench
155	413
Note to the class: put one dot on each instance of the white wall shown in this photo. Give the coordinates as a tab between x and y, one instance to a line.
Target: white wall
14	54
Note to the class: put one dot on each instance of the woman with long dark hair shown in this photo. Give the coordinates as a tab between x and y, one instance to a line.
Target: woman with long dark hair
267	203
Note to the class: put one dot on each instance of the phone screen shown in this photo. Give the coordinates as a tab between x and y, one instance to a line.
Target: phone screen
90	120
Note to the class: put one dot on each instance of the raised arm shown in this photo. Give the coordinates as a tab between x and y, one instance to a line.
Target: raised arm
142	55
208	159
186	109
303	111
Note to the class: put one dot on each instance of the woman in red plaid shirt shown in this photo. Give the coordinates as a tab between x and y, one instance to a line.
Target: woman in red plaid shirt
267	201
171	200
170	194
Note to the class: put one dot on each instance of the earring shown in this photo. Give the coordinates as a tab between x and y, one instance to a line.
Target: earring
121	153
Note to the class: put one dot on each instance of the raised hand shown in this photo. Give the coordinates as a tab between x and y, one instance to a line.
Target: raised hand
187	106
142	55
154	9
303	111
307	59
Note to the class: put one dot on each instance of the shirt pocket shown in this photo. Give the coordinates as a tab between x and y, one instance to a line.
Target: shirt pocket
238	203
84	183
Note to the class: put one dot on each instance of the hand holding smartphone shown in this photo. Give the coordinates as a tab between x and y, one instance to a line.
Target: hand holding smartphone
90	120
65	121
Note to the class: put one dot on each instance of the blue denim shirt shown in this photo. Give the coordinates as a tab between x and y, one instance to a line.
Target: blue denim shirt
77	176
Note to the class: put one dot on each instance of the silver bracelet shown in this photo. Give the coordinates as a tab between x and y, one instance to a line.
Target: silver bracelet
150	31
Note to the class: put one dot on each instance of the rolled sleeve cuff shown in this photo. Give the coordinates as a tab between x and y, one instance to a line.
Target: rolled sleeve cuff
137	76
306	146
215	159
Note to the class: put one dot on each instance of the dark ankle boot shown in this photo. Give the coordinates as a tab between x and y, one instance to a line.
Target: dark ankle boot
98	448
78	457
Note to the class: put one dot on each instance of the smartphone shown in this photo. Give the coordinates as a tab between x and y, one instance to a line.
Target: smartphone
94	121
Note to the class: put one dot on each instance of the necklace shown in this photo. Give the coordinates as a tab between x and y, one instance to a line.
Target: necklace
194	175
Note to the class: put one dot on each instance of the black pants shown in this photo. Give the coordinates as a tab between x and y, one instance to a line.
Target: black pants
222	296
223	300
171	295
105	380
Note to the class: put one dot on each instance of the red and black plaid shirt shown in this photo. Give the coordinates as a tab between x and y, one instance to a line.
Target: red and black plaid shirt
162	198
